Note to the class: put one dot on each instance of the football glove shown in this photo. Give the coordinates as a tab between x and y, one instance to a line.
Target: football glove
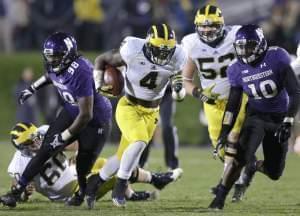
178	91
283	133
57	141
219	150
105	90
25	94
206	95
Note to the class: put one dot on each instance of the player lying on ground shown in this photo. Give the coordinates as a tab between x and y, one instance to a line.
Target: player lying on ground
266	76
58	179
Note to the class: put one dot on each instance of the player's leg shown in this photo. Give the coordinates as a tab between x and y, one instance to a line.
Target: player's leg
169	131
145	154
137	126
91	141
251	137
46	151
274	156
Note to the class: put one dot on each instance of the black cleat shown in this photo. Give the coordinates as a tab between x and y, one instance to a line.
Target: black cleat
213	190
142	196
94	182
160	180
76	200
219	200
239	192
11	198
217	203
118	193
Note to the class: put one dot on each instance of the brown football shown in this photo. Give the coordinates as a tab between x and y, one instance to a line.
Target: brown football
113	76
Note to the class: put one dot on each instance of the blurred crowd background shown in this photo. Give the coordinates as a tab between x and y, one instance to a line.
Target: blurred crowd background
100	25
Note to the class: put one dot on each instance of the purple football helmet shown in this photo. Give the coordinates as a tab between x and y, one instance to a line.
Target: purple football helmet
59	50
249	43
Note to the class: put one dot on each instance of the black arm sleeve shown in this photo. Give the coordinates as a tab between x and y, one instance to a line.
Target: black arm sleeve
292	87
232	110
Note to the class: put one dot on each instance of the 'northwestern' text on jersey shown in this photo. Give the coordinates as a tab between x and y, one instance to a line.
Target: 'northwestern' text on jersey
77	81
264	82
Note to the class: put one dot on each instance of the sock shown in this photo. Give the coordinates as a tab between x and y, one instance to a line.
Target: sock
130	159
144	176
129	192
109	168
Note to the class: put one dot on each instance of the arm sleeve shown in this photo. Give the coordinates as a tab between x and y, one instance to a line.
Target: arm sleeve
293	89
232	109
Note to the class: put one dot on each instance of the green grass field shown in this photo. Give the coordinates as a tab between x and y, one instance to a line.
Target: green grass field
188	196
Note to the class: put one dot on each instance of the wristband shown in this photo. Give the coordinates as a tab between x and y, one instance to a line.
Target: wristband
66	134
288	120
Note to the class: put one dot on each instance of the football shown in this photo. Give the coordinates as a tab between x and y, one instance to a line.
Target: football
114	77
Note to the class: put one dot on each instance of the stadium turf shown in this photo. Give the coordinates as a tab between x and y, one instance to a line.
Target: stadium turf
188	196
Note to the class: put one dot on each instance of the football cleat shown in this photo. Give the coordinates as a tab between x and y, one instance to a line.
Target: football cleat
76	200
217	203
118	193
143	196
239	192
213	190
94	182
160	180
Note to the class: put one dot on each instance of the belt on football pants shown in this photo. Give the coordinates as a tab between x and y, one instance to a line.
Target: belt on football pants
144	103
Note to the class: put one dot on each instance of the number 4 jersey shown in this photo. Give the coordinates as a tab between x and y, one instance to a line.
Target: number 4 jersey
263	82
212	62
144	79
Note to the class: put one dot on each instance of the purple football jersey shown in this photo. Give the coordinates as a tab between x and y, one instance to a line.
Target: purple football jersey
264	82
77	81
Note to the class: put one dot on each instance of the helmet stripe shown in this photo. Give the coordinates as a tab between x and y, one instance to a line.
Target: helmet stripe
155	31
212	10
207	9
166	32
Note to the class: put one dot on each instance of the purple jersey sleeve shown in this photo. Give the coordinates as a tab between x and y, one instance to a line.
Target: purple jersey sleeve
83	83
283	60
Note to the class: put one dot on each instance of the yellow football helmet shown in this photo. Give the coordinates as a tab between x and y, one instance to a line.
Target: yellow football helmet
23	137
209	23
160	44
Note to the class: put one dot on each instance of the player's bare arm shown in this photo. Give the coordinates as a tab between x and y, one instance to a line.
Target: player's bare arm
188	74
112	57
85	105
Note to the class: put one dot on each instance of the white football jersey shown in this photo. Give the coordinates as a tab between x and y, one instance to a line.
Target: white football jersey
296	62
212	62
144	79
57	179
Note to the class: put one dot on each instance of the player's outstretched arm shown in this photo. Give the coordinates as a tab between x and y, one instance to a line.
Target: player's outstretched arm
41	82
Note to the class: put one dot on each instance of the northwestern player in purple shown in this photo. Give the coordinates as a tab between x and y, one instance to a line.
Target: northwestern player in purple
85	116
265	75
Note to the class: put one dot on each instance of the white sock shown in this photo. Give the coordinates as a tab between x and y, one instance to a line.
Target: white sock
144	176
109	168
130	159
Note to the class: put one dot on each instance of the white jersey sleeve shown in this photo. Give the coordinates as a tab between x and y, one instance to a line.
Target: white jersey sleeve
296	62
130	48
17	165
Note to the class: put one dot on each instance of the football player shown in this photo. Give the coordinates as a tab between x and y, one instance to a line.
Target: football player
151	64
85	116
57	180
266	76
210	51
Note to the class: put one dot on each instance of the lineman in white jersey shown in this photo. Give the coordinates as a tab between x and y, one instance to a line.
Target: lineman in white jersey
210	51
58	179
151	64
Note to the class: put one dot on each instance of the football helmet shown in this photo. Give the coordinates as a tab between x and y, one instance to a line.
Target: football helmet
59	50
250	43
209	23
26	138
160	44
